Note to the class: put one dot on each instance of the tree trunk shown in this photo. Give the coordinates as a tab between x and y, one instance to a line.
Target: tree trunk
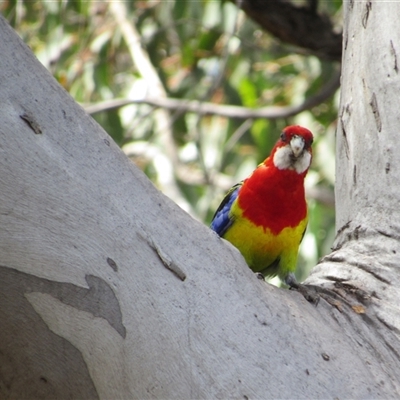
109	290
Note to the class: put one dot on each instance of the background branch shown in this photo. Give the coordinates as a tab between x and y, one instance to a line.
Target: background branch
229	111
155	89
297	25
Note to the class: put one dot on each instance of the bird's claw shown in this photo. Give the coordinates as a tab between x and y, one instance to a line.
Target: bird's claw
308	293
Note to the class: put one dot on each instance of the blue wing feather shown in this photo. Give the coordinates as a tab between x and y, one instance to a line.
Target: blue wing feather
222	220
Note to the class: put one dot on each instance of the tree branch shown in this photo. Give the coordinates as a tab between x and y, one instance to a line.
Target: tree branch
156	89
229	111
297	25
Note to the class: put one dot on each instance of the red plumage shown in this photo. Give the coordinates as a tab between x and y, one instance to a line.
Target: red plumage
263	204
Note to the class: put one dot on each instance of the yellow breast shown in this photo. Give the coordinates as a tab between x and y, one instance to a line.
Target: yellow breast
263	251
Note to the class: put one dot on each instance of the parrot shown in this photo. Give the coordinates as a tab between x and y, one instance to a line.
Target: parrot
265	215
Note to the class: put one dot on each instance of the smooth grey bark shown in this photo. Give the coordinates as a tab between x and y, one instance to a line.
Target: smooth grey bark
109	290
364	266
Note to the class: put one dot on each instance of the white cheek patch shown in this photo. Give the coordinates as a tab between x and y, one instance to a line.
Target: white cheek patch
303	162
283	159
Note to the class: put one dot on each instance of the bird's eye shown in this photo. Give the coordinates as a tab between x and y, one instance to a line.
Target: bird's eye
283	137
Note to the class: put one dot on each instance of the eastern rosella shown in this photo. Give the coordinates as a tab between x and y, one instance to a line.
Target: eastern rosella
265	215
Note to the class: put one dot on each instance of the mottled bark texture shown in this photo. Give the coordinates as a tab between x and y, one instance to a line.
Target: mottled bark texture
109	290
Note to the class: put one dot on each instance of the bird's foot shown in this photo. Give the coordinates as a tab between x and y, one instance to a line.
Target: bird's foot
308	292
260	276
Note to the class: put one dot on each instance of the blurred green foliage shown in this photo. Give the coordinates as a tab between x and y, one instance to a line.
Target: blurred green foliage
199	50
